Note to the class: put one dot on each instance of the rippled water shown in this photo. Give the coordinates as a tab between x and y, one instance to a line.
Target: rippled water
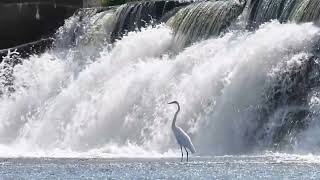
274	166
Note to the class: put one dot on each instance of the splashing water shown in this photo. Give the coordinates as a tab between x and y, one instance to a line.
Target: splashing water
116	105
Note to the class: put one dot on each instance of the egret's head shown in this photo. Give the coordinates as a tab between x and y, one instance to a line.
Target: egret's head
173	102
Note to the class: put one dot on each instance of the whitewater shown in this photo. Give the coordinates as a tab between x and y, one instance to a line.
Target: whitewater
94	104
116	104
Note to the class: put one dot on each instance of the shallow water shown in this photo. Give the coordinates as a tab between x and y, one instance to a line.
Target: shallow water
275	166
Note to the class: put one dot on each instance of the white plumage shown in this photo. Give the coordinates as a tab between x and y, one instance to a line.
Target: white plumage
182	137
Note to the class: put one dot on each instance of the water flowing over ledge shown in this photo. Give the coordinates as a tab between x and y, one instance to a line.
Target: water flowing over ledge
102	89
284	10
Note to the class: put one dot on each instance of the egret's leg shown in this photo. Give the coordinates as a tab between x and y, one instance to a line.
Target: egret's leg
187	153
181	153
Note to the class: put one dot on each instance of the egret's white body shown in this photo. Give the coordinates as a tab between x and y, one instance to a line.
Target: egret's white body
182	137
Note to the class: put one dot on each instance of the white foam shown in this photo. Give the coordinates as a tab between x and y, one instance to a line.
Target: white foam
117	105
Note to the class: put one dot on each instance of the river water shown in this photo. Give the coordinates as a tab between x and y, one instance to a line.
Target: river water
267	166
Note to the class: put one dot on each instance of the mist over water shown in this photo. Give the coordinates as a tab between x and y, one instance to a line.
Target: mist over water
117	104
90	97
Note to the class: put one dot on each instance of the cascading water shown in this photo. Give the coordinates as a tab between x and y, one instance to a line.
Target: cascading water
89	30
136	15
239	91
202	20
262	11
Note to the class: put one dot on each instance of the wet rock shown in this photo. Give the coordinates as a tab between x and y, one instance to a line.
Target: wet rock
27	22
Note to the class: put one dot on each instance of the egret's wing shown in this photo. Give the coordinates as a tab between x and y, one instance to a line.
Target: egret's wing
184	139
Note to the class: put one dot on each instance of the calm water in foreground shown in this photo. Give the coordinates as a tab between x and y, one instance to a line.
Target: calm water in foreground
223	167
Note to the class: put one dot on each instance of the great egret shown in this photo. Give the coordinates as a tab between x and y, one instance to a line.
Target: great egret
182	137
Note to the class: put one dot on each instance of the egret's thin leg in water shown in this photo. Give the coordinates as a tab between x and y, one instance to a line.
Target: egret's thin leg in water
187	154
181	153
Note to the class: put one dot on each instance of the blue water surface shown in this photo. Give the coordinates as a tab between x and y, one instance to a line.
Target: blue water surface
222	167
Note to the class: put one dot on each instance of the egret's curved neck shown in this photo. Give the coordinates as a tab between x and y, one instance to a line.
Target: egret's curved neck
175	116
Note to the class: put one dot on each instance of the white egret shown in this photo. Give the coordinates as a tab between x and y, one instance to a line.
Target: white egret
182	137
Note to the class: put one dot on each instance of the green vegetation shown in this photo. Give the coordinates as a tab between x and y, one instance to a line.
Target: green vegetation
104	2
113	2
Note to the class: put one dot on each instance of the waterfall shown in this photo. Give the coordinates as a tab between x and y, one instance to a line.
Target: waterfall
305	11
202	20
91	29
102	89
135	15
192	23
283	10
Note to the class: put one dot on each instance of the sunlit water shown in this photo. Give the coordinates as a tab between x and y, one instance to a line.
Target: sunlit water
273	166
117	105
73	116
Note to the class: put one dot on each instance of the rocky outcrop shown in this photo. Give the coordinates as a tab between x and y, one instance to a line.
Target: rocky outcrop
27	49
27	22
27	25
